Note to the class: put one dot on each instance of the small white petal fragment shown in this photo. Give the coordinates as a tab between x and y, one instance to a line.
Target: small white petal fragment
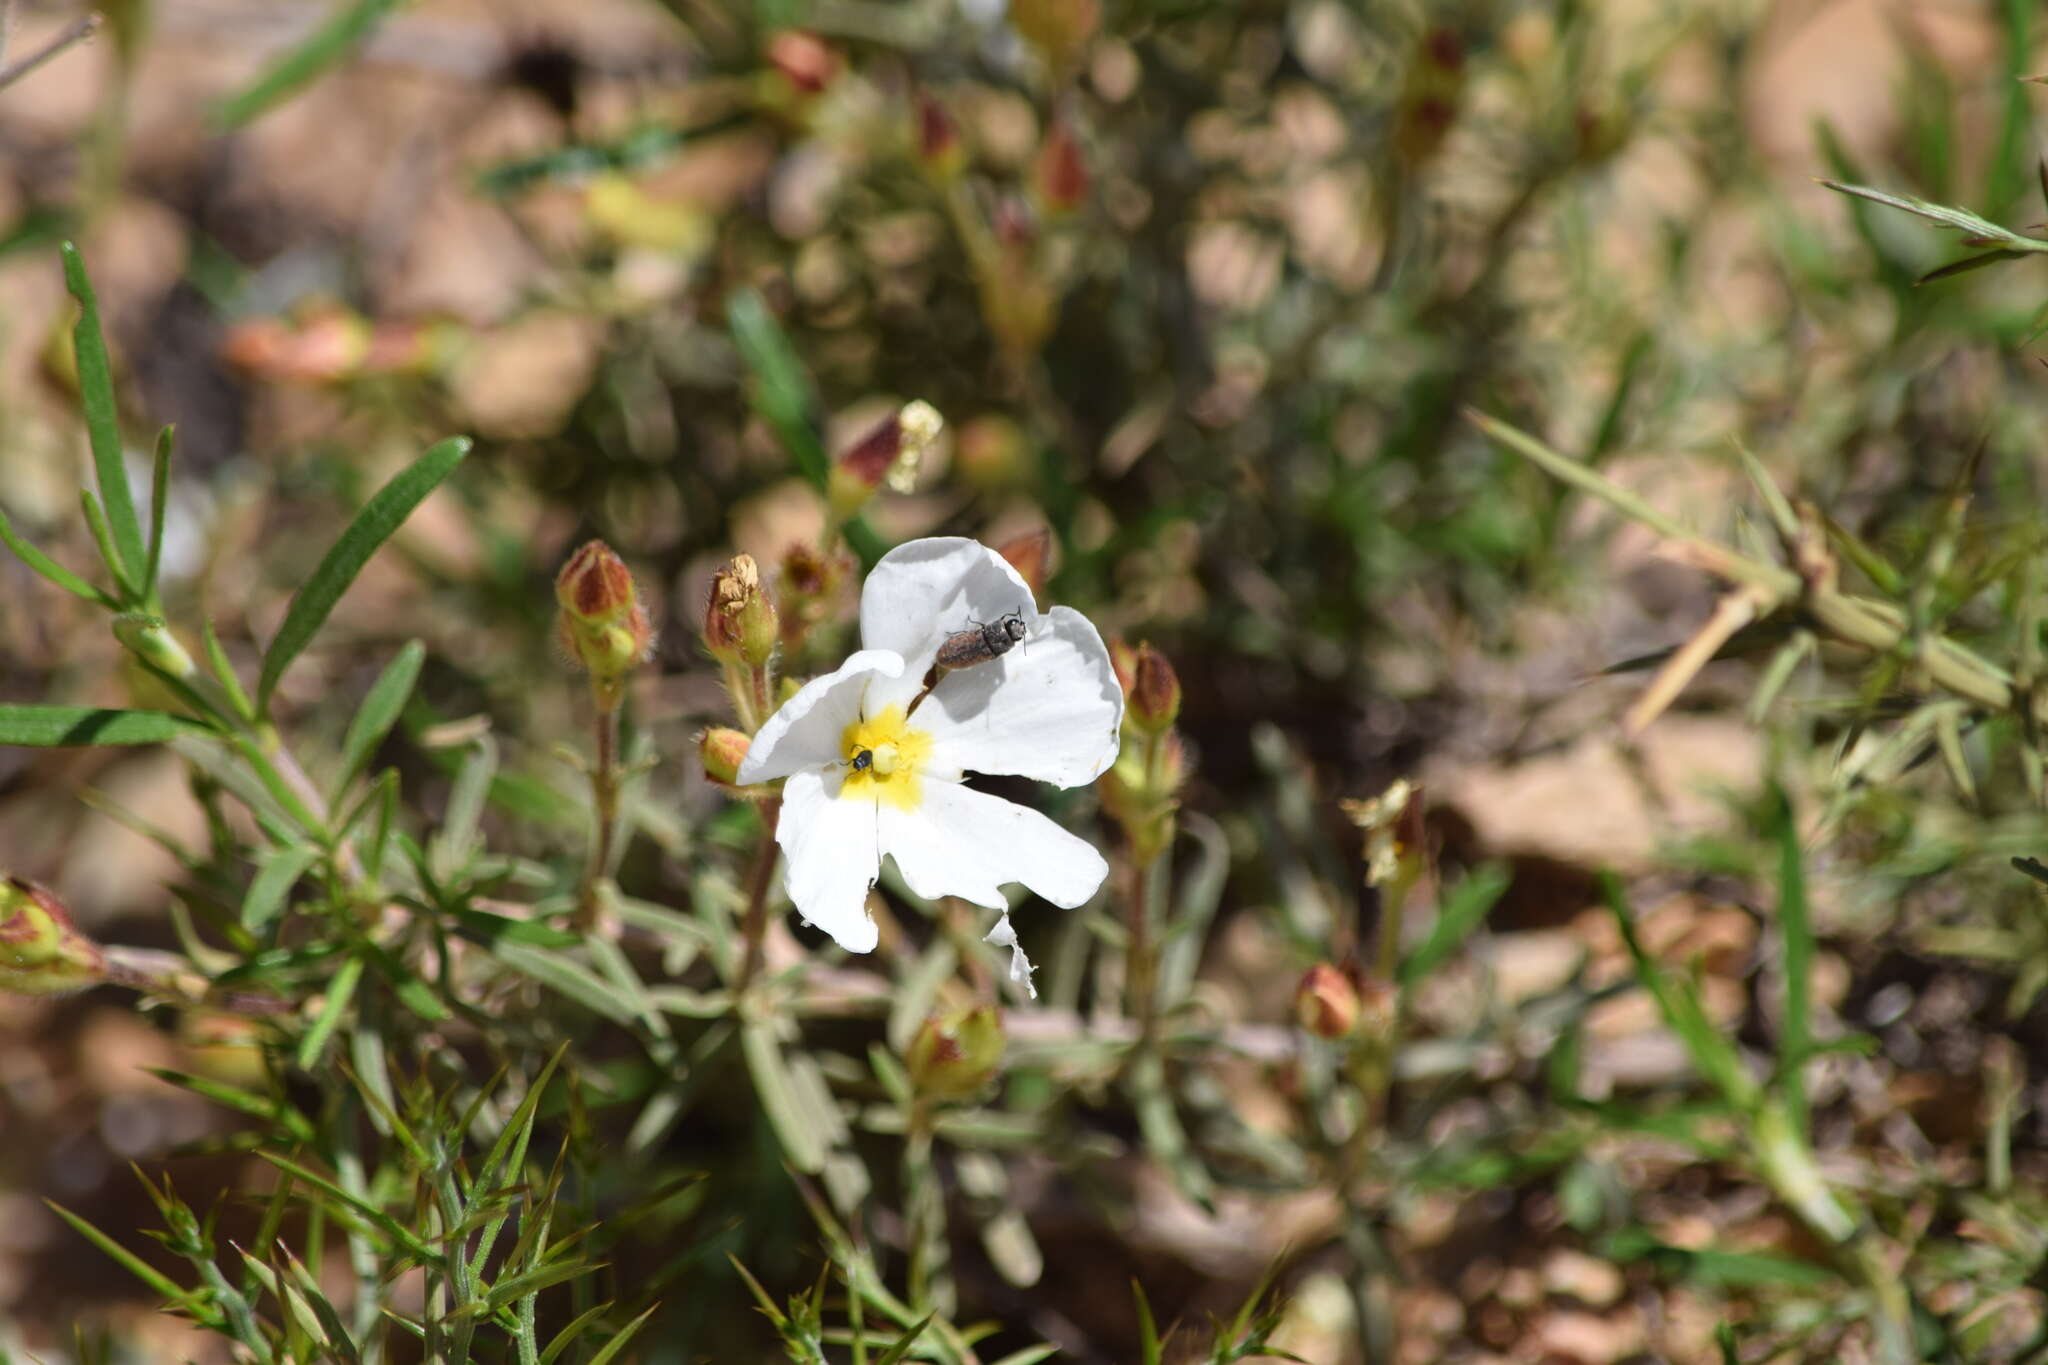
832	858
805	732
1004	935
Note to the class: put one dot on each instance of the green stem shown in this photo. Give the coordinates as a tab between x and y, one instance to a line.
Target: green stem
754	928
604	793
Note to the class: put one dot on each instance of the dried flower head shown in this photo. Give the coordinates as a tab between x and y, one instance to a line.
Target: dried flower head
740	623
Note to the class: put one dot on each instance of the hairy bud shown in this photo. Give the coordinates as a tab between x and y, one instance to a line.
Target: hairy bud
1326	1003
602	623
722	750
955	1054
1154	692
41	950
1031	556
940	149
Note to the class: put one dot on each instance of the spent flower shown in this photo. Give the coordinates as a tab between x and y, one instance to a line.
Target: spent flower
873	761
740	623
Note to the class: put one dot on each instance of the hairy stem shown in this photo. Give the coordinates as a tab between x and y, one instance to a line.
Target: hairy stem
604	792
754	928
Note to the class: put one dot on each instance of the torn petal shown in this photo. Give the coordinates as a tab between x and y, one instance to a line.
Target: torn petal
1004	935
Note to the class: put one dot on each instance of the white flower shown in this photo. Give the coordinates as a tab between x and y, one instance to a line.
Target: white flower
873	770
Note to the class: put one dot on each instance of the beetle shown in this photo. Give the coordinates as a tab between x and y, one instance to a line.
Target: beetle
863	760
979	644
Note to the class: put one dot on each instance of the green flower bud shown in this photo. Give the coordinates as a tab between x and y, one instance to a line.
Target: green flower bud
148	638
955	1054
41	951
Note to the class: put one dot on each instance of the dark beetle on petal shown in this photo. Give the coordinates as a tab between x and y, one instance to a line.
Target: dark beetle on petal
979	644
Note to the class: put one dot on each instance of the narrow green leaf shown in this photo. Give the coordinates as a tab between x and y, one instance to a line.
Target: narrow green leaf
1150	1344
379	712
558	973
45	727
569	1335
340	991
781	391
346	30
102	420
159	489
412	992
50	568
128	1261
507	1291
1797	928
382	515
777	1091
361	1207
274	881
1464	908
1969	263
103	541
241	1101
624	1337
224	671
1948	216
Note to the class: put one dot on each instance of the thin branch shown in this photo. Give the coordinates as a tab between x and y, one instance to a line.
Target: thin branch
75	33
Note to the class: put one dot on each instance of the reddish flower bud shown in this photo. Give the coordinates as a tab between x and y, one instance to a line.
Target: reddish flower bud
41	950
955	1054
803	60
602	624
1124	660
891	451
1154	691
1031	556
940	149
1059	173
1326	1003
723	750
740	623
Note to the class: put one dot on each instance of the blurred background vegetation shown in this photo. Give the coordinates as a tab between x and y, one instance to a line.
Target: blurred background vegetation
1712	1038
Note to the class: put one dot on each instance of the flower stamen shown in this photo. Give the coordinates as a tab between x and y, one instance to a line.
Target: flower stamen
882	757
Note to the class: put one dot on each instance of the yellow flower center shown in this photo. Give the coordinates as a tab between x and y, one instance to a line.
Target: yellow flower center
883	756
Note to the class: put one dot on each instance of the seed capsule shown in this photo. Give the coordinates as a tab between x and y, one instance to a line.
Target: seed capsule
979	644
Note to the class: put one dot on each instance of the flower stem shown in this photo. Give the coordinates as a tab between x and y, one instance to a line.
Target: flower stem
1141	975
754	928
604	792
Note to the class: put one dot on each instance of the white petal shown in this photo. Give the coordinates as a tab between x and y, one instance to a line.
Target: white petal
831	850
1049	709
924	590
805	732
965	843
1004	935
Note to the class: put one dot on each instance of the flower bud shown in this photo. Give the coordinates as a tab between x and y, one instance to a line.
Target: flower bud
992	452
1031	556
1059	173
1123	659
803	59
890	452
149	639
809	583
1057	28
740	623
41	951
940	149
1326	1003
603	624
723	750
955	1054
1153	692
